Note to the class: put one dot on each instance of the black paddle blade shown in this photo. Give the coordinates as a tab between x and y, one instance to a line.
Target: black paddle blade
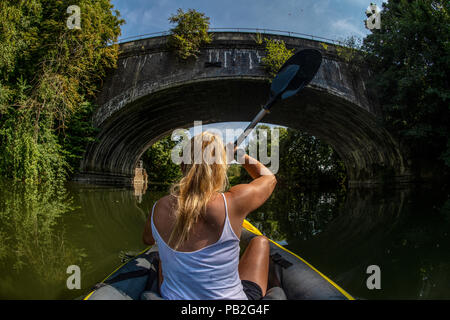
296	73
283	78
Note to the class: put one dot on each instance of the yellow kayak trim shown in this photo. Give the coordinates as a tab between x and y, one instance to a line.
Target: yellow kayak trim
248	226
87	297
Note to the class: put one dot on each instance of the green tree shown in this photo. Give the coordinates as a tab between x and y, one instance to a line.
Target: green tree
410	60
276	55
189	34
47	74
158	162
351	53
304	161
77	134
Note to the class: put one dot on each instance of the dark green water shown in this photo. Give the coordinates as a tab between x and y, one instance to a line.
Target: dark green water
405	231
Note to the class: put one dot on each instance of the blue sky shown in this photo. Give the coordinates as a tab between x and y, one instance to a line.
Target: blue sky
334	19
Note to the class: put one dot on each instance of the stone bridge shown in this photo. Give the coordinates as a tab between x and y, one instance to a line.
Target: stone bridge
151	93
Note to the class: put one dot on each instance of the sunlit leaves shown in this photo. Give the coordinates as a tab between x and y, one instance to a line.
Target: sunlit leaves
47	73
189	34
276	55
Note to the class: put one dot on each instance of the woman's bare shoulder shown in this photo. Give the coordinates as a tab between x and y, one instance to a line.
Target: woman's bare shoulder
163	214
166	202
164	205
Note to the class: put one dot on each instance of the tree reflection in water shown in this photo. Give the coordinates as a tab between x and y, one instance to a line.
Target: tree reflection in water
32	250
405	231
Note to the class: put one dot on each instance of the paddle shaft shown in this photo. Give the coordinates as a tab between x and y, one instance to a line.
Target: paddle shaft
265	110
291	74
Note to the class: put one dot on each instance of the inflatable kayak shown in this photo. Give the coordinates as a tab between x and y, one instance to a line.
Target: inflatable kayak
290	277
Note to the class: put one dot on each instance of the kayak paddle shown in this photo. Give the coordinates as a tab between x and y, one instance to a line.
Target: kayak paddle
294	75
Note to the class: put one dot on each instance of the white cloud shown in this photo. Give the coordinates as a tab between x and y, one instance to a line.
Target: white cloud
365	3
321	7
331	19
344	28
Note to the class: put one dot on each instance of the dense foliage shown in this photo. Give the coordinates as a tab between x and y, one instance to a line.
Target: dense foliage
189	34
410	58
349	51
304	162
77	134
307	161
276	55
158	164
49	73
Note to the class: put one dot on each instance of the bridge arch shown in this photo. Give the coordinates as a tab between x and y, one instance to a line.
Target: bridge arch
151	93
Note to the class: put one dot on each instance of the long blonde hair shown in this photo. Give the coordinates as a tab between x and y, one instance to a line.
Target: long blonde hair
199	183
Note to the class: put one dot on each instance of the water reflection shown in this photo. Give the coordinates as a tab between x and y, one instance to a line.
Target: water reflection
45	229
32	248
293	214
403	231
108	223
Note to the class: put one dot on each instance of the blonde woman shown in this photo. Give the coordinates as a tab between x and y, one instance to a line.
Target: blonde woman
198	225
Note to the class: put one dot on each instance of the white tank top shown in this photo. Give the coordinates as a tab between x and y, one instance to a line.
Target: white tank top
205	274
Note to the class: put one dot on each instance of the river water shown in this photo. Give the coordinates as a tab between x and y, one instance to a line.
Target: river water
402	230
